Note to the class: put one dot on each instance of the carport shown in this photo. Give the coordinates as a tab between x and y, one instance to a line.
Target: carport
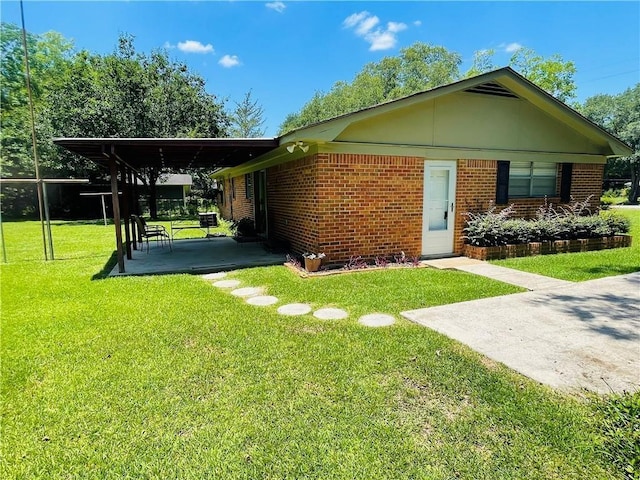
127	157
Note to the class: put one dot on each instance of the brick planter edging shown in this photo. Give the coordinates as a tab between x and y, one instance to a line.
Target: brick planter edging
547	248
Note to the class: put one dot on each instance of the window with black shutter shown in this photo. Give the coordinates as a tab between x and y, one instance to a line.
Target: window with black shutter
502	183
565	182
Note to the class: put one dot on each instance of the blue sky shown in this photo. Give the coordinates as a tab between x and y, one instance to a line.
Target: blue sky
286	51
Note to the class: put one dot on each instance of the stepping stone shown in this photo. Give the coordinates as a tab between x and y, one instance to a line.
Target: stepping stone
226	283
377	320
294	309
262	300
247	292
330	314
214	276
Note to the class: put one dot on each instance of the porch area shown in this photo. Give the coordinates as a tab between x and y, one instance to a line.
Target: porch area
197	256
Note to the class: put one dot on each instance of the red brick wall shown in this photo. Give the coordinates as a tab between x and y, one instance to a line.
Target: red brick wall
343	205
587	180
292	204
369	205
236	206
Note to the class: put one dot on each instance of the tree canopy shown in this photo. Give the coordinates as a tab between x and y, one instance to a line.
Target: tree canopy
620	115
81	94
422	67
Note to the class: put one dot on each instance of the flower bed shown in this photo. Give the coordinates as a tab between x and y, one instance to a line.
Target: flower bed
546	248
494	234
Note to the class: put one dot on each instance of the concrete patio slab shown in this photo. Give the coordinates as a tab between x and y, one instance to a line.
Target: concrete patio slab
585	335
199	256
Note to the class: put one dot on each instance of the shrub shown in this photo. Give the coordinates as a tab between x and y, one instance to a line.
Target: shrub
492	228
245	227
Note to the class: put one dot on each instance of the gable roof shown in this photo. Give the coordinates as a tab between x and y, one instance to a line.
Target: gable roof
503	82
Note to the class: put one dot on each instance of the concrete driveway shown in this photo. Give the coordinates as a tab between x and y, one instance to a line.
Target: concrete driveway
584	335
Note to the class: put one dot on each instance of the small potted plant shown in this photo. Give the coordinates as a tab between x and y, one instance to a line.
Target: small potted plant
312	261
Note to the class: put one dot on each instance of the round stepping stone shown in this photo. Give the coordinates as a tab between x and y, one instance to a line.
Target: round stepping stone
377	320
262	300
226	283
247	292
330	314
214	276
294	309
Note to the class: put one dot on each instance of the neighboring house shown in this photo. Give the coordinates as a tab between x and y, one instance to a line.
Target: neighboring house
172	186
399	176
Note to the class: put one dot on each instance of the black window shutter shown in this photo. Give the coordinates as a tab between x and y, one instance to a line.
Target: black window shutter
502	183
565	182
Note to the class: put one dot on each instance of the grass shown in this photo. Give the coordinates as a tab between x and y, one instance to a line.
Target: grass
168	377
587	265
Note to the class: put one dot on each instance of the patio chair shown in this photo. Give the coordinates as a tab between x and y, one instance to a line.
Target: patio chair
145	232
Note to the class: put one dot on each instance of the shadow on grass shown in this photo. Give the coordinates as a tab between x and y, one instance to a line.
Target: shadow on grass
610	270
111	263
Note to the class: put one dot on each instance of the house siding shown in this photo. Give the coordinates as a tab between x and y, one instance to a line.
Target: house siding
236	206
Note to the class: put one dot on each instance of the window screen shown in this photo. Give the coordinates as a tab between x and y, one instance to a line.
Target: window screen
532	179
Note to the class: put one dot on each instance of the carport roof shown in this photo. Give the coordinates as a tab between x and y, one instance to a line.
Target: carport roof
213	153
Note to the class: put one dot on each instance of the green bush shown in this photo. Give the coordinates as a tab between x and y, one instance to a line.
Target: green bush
495	228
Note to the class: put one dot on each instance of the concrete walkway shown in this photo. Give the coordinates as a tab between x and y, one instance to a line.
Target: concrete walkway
530	281
583	335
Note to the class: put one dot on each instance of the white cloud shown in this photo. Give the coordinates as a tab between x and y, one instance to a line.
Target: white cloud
354	19
229	61
277	6
395	27
168	46
417	23
193	46
381	40
512	47
364	25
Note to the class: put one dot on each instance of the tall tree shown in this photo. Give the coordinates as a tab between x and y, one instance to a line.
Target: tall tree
130	94
247	118
553	74
418	67
49	53
421	67
620	115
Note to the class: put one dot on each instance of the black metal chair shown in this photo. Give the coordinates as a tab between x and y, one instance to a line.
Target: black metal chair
145	232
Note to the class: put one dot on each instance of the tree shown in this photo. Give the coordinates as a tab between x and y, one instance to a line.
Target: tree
419	67
49	54
129	94
620	115
247	118
552	74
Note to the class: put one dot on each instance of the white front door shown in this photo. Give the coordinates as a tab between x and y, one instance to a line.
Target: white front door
438	207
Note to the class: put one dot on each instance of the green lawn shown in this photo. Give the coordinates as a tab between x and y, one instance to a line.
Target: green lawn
169	377
588	265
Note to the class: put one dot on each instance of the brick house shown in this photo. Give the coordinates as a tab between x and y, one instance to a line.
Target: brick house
393	177
399	176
